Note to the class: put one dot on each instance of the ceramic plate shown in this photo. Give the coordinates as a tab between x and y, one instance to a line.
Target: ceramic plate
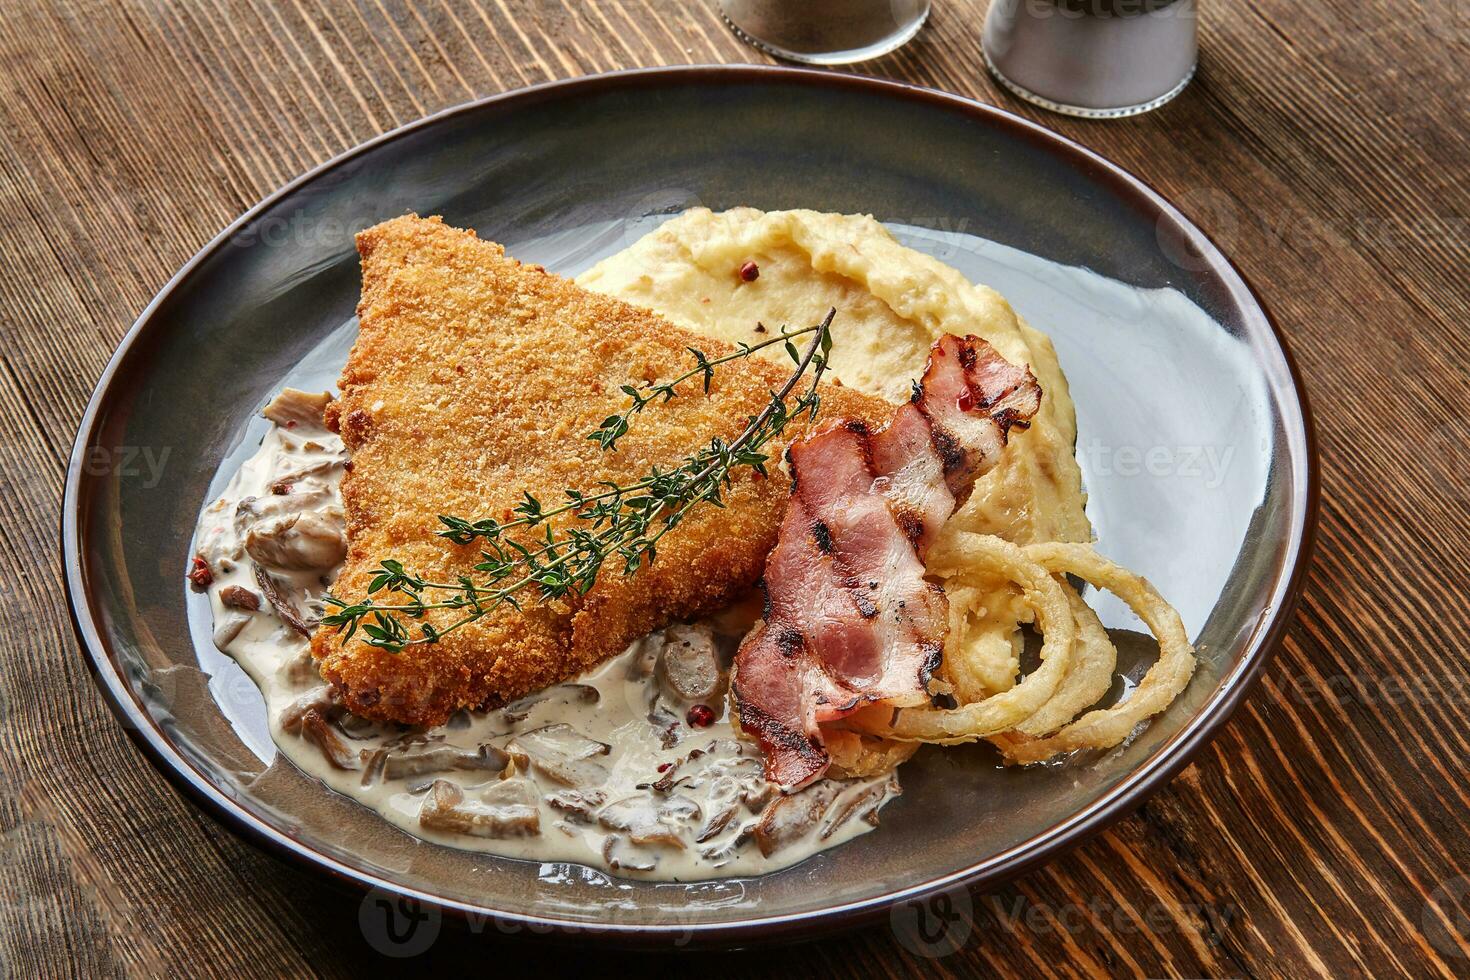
1194	444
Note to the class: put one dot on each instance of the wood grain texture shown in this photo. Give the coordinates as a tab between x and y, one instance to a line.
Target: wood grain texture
1326	831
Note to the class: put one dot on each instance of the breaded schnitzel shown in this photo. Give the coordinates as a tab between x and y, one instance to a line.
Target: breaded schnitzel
476	378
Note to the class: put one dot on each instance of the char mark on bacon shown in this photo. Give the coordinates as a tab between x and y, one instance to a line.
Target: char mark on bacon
849	617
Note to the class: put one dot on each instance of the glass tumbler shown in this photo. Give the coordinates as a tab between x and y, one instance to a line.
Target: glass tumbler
825	32
1093	58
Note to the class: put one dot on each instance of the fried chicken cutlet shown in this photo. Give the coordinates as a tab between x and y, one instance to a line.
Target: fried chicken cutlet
476	379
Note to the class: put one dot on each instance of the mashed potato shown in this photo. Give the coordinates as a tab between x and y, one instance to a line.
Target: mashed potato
892	302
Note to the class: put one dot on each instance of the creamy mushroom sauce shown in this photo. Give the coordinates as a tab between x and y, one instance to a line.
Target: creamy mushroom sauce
606	770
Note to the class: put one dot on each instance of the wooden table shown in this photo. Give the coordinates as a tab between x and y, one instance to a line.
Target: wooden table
1326	830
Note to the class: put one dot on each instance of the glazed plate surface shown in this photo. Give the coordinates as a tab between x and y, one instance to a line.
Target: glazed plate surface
1194	444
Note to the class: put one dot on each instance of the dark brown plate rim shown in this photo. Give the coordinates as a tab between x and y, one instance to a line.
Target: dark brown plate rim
1168	760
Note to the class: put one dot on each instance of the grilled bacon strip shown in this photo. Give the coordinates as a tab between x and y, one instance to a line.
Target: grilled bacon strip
849	618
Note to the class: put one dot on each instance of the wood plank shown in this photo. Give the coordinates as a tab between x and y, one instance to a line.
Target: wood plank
1324	831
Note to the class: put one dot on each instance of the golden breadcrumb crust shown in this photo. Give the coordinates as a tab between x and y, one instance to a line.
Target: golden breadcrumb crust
476	378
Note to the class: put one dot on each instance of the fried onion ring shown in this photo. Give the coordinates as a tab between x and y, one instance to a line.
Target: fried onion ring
982	655
960	557
1107	727
1090	676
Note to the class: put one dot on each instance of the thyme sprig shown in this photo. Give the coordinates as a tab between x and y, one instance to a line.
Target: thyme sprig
614	427
611	522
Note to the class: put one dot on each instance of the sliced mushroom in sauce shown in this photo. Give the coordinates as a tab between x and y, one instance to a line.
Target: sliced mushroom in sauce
621	854
562	754
239	597
580	806
294	408
314	727
520	710
319	699
228	626
688	666
859	800
790	818
609	761
507	809
282	603
389	764
297	542
647	819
